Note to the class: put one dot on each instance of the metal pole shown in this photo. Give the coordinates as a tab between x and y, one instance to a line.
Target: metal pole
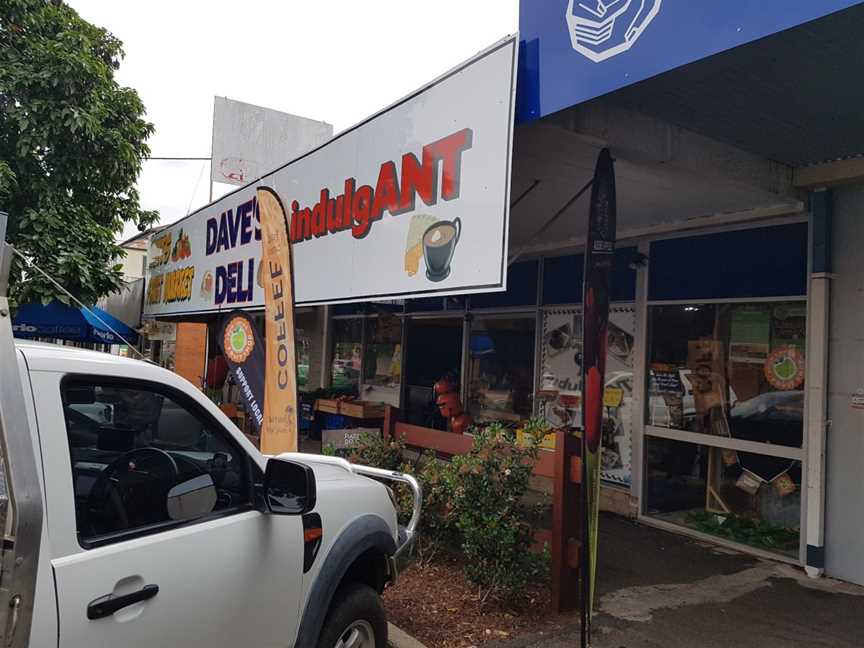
21	507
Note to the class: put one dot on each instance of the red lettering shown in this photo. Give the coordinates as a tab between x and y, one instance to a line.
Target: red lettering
449	151
362	206
386	191
418	179
300	225
319	224
348	215
334	214
358	207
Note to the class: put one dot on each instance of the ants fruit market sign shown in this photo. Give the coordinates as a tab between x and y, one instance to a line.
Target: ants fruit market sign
411	202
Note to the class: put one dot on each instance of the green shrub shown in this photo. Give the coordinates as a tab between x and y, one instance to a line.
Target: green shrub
373	450
491	481
329	450
472	504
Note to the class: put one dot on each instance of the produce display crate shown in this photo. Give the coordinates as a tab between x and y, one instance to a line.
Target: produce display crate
327	406
353	409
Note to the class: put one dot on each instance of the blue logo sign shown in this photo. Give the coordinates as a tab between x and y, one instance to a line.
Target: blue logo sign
575	50
600	30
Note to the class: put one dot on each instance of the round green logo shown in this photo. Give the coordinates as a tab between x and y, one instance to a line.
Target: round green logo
238	339
786	369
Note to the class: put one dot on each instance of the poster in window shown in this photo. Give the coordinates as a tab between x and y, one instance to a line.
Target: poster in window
561	363
560	393
751	335
619	411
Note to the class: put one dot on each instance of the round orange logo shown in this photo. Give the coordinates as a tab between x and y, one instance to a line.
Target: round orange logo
239	340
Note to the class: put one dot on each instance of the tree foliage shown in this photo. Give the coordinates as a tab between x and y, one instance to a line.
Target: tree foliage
72	142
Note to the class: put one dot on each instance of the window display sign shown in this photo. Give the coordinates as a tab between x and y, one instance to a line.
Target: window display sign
751	335
412	202
560	392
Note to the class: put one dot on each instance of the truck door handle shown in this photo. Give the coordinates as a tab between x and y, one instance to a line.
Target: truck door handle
107	605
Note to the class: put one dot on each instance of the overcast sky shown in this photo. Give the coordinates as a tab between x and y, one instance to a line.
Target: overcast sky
333	60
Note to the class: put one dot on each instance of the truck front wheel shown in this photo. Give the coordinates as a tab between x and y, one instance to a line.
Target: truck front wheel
355	620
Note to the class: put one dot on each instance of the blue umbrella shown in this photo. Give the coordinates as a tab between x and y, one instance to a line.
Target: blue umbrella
59	321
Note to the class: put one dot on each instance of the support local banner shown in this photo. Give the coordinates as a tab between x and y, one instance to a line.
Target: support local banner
243	350
413	202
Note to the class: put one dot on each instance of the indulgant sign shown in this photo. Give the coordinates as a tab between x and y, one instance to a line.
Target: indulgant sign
412	202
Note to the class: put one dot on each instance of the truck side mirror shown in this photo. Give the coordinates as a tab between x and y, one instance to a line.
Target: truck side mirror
289	487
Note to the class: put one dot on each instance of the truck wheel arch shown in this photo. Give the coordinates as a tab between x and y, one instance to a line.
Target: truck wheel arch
365	534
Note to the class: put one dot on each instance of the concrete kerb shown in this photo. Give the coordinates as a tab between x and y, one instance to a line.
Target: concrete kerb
400	639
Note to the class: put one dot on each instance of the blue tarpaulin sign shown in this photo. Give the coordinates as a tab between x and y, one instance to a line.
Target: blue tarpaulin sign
575	50
62	322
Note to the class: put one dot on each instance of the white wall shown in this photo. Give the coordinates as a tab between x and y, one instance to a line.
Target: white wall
844	531
133	264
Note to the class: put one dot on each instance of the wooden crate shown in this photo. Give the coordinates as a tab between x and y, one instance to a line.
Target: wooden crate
361	409
327	405
352	409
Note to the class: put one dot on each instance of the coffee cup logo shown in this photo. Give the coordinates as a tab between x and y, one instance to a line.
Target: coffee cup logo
439	243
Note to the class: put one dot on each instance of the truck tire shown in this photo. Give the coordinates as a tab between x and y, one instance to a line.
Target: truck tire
355	620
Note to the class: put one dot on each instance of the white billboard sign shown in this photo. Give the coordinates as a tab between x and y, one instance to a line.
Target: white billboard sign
412	202
249	140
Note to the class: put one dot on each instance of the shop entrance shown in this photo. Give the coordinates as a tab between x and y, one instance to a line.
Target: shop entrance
434	348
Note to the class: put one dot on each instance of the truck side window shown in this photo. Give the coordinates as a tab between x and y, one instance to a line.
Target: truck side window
143	459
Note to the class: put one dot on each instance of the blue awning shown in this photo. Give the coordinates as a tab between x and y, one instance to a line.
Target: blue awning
59	321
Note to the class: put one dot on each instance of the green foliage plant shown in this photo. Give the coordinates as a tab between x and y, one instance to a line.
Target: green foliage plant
473	504
72	142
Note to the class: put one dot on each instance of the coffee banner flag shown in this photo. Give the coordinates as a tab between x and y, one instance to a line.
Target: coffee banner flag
242	347
279	430
599	265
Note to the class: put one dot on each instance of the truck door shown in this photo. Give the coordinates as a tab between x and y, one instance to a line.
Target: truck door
166	547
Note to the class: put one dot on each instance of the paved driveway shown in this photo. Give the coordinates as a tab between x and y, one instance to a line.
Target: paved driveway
660	590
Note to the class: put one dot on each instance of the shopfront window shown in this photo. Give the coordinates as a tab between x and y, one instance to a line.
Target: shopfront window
305	326
725	417
346	354
743	497
729	370
382	365
501	369
434	350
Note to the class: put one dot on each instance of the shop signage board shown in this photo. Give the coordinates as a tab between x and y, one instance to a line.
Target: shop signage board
250	140
576	50
412	202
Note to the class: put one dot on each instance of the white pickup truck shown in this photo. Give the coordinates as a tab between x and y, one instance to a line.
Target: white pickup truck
137	514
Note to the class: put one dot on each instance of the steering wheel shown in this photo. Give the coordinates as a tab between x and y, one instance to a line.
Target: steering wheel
132	491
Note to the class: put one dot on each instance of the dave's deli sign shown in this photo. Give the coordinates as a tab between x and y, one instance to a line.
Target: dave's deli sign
413	202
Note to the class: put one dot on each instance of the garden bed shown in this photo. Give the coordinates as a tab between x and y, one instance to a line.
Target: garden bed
435	603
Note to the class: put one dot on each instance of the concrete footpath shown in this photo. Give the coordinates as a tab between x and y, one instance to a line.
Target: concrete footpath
660	590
